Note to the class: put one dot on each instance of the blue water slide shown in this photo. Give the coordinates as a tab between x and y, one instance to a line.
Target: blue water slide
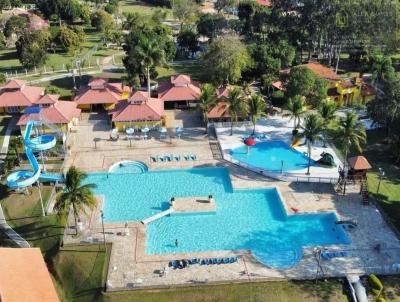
24	178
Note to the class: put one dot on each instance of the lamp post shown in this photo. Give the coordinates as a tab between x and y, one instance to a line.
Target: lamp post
381	175
102	226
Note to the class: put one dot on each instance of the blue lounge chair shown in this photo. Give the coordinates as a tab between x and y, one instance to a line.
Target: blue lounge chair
187	157
154	158
226	260
171	157
329	255
214	261
194	156
178	157
219	261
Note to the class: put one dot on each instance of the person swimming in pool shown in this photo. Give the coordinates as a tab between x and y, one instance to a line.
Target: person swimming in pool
176	242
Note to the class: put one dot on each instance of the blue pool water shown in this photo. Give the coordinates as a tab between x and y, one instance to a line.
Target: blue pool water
245	219
269	156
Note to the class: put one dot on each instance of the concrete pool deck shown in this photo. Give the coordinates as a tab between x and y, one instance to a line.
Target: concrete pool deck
277	128
131	268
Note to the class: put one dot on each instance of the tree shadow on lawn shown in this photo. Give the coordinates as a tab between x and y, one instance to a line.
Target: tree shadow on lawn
322	290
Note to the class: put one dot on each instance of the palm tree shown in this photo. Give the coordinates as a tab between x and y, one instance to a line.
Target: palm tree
327	111
350	134
296	110
256	109
312	127
236	105
206	101
151	54
79	196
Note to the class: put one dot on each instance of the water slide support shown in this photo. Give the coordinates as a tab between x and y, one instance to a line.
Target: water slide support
41	199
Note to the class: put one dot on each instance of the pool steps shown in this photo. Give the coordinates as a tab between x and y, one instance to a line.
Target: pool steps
142	167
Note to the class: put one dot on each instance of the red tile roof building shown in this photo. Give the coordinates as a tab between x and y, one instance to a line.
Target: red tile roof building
266	3
25	277
99	91
62	112
320	70
138	110
16	95
181	88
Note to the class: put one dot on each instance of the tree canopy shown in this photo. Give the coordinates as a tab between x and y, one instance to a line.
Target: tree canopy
225	59
31	48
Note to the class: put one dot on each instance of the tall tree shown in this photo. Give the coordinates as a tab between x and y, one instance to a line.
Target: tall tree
151	55
296	109
206	101
302	81
15	25
311	131
256	109
385	108
382	69
185	11
139	41
236	105
76	194
350	134
211	25
102	20
31	48
327	111
225	60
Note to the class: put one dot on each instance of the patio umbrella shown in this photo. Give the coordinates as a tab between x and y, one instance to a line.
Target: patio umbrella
162	130
145	129
249	142
130	131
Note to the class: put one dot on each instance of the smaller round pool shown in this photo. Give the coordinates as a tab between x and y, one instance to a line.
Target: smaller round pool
129	166
272	156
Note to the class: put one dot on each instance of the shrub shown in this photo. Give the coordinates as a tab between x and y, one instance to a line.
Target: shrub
376	285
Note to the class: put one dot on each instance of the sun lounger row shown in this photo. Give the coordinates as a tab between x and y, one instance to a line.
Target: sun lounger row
206	261
330	255
172	157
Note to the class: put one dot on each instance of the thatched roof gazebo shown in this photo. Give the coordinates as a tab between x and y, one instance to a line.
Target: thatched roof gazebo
358	166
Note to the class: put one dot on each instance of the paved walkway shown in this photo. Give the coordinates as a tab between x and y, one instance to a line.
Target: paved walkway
6	141
13	235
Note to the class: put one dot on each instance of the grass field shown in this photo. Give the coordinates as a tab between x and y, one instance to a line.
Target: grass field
80	271
330	291
132	6
378	154
24	214
9	60
190	67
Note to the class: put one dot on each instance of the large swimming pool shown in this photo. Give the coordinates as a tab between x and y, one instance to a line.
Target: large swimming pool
245	219
272	156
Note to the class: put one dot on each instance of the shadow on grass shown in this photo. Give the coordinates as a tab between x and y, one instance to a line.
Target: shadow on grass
322	290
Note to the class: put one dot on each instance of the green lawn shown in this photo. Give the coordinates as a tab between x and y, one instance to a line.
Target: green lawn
378	154
132	6
9	61
80	272
190	67
23	213
330	291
